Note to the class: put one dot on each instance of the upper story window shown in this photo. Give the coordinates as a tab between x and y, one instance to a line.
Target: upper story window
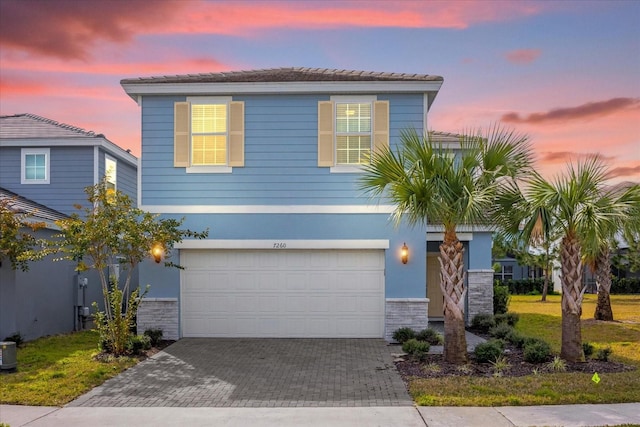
35	166
111	173
349	129
353	133
209	134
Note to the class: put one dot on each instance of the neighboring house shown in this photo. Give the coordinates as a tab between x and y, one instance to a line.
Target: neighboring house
268	161
47	165
40	301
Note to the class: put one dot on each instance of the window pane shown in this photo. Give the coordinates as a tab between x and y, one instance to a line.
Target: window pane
209	118
209	150
353	150
35	166
352	118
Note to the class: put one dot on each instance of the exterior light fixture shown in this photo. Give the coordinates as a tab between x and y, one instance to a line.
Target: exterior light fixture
404	253
157	251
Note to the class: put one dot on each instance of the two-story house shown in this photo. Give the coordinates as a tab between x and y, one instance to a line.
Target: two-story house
44	169
268	161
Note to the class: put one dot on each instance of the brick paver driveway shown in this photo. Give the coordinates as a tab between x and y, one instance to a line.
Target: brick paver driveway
259	373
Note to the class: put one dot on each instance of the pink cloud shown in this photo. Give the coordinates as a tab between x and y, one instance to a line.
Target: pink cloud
69	28
568	156
523	56
588	110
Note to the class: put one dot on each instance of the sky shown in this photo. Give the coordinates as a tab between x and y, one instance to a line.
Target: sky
565	73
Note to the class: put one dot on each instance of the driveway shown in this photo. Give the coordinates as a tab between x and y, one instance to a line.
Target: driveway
221	372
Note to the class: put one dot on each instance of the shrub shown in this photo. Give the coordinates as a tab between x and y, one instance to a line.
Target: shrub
501	298
510	318
630	285
138	343
501	331
417	349
604	353
536	350
482	322
16	338
489	351
155	335
516	338
402	335
431	336
587	348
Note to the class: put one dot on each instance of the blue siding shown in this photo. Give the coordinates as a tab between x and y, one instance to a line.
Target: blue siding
480	251
127	175
71	170
280	155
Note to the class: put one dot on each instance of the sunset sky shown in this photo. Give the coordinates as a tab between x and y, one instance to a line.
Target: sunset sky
567	73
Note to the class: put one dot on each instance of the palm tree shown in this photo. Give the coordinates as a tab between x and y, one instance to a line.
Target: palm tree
430	184
580	207
597	252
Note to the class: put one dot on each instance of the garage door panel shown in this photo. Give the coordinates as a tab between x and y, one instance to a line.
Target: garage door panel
305	293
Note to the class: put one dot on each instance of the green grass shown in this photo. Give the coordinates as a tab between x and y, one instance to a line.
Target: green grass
543	320
53	371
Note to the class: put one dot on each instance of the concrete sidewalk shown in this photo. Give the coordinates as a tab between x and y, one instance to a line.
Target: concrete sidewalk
560	415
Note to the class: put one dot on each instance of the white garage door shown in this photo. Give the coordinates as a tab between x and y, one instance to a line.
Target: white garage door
282	293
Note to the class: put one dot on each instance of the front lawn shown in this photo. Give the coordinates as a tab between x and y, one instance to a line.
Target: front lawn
53	371
543	320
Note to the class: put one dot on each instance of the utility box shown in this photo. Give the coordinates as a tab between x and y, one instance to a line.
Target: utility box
8	359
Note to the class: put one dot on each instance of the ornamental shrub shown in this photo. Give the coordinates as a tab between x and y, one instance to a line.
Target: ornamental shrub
587	349
415	348
431	336
138	343
510	318
489	351
501	298
482	322
155	335
516	338
501	331
402	335
536	350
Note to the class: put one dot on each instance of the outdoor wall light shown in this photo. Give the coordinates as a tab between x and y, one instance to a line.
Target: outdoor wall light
404	253
157	251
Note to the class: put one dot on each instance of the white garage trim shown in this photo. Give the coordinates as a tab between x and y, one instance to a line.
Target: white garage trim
282	244
282	293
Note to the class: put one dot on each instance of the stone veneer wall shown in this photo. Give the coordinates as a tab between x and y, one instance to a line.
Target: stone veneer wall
405	312
159	313
480	293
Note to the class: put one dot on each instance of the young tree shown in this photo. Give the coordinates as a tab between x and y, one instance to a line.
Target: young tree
431	184
583	211
17	243
113	231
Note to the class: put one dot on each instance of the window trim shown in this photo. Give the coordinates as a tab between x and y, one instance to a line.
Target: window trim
209	100
108	158
350	99
47	165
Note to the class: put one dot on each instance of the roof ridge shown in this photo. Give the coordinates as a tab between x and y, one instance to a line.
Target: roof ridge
55	123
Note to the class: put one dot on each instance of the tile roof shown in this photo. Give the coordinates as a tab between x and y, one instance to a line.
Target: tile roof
284	74
22	205
33	126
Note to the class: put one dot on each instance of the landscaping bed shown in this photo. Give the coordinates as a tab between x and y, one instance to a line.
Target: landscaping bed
433	366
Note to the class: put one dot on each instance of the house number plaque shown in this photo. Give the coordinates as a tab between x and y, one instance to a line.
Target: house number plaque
279	245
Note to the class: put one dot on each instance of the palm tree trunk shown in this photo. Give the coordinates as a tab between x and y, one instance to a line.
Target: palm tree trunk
453	289
572	292
603	283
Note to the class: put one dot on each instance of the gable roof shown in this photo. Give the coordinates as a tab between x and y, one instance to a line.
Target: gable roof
25	129
285	74
38	212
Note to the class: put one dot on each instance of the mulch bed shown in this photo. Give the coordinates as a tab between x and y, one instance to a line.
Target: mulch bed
435	367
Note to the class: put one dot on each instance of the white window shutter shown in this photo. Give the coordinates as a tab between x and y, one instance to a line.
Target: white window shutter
325	133
380	125
236	134
181	134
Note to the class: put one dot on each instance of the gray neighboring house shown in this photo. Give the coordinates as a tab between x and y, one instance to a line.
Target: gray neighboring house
45	167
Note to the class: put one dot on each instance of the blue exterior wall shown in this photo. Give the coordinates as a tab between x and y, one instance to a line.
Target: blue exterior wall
126	175
281	155
71	170
480	251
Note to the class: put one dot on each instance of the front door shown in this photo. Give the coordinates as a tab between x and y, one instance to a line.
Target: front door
434	292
